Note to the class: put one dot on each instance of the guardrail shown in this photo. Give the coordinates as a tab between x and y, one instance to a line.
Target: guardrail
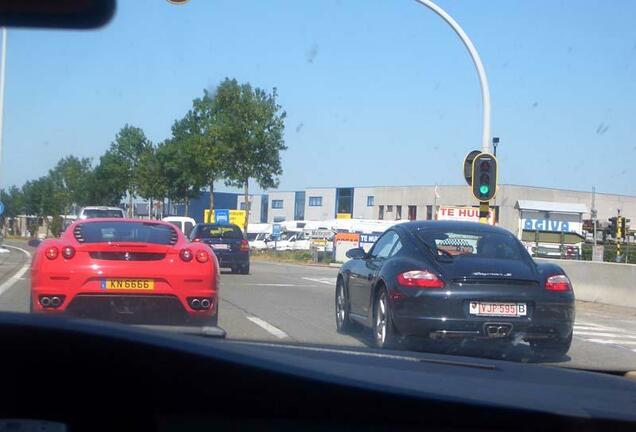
601	282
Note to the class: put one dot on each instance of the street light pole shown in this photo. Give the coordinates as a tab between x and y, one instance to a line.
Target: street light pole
483	80
3	62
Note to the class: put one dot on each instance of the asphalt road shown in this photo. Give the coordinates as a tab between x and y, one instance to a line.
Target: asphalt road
295	304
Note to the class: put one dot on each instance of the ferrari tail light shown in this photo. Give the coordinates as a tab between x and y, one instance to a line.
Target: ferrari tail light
202	256
186	255
52	252
245	246
68	252
558	283
420	279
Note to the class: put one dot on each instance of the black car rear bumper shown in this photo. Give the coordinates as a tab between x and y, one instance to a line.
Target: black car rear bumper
445	314
233	259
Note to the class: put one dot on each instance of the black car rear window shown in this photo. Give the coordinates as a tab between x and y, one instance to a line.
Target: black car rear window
480	244
218	231
129	232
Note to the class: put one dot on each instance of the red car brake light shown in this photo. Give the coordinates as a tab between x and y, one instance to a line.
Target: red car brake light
420	279
51	252
68	252
186	255
558	283
202	256
245	246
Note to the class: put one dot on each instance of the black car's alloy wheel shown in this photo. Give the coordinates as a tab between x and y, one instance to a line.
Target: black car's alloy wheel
383	332
343	320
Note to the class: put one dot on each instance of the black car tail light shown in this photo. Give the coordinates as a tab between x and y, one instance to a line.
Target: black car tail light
420	279
558	283
245	246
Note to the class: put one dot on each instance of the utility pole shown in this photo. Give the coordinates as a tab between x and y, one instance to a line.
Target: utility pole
594	214
3	63
474	55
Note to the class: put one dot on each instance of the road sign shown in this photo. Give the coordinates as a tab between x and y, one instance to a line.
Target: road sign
222	216
276	231
1	207
468	166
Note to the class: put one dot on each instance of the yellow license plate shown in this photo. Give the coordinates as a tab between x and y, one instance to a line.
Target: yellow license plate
128	284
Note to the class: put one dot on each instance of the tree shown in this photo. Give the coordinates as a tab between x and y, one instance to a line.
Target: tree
249	125
130	143
197	127
13	201
150	178
70	177
182	171
108	182
40	199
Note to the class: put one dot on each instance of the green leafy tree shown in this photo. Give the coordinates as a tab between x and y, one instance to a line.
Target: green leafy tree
40	199
13	200
108	182
70	178
250	124
198	126
150	178
182	171
130	143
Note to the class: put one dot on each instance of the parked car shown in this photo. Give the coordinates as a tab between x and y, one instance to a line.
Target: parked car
185	224
92	212
455	280
228	243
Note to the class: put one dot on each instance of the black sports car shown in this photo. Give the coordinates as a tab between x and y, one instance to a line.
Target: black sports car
455	280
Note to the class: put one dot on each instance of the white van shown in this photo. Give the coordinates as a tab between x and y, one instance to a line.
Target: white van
185	224
101	212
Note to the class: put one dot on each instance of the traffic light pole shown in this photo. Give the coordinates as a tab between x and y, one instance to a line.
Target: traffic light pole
484	211
481	72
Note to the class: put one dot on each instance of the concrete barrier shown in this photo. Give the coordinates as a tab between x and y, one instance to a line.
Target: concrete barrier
601	282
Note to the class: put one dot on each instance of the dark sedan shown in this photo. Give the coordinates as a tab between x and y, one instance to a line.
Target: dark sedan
228	243
442	280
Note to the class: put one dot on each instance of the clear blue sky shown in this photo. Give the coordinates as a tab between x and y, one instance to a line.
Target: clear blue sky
377	92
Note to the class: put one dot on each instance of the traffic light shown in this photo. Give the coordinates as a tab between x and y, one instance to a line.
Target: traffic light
613	227
623	228
484	177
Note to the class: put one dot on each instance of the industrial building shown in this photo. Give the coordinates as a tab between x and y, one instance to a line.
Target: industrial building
416	203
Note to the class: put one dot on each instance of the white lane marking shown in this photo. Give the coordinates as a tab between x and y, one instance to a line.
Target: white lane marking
13	279
599	334
324	280
3	250
268	327
613	341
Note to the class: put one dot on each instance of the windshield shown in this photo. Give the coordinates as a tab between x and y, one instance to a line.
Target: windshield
217	231
128	232
98	213
345	173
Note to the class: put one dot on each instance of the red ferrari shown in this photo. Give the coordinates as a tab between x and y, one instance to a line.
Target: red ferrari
130	270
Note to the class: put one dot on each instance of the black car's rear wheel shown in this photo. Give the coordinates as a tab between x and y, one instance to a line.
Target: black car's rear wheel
552	347
384	335
343	319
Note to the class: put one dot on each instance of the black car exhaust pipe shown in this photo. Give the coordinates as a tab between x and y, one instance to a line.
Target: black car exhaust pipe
55	302
45	301
205	303
195	303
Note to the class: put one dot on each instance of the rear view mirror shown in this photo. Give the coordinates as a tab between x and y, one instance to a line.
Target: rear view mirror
70	14
356	253
34	242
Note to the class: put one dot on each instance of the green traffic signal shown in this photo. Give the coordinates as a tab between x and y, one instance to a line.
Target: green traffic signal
484	177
